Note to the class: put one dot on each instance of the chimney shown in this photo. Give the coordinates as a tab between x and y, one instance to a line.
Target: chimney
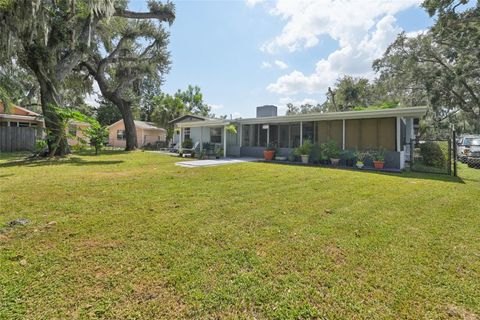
266	111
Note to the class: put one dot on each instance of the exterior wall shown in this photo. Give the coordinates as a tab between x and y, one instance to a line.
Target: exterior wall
79	135
144	136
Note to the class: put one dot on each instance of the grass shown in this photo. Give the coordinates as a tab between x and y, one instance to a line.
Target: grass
136	237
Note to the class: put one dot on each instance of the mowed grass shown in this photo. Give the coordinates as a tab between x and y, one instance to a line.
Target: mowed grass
136	237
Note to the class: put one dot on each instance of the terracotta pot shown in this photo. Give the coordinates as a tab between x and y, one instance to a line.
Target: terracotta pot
268	154
378	164
304	158
334	161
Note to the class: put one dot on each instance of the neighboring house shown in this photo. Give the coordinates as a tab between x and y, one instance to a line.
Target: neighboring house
147	133
186	118
76	134
20	117
389	129
19	129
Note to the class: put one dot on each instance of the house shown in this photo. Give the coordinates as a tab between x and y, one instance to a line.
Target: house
76	133
20	117
147	133
389	129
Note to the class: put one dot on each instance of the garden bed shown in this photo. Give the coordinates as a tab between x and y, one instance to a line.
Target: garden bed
330	166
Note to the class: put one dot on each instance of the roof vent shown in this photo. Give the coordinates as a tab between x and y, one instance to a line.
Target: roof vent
266	111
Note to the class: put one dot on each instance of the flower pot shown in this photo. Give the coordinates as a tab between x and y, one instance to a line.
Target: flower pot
359	165
304	158
334	161
268	154
378	164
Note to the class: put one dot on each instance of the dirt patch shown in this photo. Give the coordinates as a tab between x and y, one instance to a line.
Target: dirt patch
457	312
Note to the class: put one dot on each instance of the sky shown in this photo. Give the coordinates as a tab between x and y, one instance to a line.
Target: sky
247	53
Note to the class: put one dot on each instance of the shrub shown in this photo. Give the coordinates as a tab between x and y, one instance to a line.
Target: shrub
331	149
304	149
187	143
432	154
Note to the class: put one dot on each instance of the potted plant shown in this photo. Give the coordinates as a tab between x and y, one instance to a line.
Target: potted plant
361	156
379	159
218	152
348	158
304	151
269	151
333	152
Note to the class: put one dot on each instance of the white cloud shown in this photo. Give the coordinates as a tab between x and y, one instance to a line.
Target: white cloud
216	106
362	29
266	65
236	115
282	65
353	58
252	3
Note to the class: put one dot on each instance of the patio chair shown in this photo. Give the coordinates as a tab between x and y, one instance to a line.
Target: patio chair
189	151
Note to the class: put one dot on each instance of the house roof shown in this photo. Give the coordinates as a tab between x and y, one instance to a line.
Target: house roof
141	125
415	112
18	111
187	116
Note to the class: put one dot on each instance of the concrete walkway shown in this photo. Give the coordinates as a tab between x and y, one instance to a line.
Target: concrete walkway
213	163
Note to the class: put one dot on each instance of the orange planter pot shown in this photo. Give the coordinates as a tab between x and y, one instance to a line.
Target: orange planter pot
378	164
268	154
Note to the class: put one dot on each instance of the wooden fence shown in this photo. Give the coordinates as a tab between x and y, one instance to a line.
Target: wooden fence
17	139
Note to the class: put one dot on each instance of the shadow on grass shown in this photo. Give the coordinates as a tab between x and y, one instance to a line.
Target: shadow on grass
405	175
72	161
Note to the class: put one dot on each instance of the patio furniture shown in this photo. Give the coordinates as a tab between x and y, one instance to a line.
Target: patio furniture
189	151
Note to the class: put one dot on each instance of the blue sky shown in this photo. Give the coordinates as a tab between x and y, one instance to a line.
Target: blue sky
247	53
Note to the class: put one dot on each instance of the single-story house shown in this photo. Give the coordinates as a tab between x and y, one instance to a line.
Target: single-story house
76	132
388	129
20	117
147	133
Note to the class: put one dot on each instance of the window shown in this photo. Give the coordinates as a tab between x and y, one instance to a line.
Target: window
246	132
120	134
24	124
3	124
13	124
186	133
215	135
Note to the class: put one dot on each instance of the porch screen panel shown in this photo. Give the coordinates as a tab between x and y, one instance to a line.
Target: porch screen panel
387	133
322	132
336	132
369	134
274	134
294	135
307	131
330	130
352	134
247	135
263	137
283	141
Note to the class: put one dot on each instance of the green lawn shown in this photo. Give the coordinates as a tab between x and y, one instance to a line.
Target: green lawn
136	237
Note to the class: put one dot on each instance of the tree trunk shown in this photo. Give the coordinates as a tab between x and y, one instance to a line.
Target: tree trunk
57	135
130	131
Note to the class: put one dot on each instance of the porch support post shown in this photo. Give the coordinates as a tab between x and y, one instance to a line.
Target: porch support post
343	134
301	132
224	141
268	135
399	148
181	136
240	135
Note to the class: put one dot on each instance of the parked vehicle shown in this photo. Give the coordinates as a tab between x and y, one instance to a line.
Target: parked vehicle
464	147
473	155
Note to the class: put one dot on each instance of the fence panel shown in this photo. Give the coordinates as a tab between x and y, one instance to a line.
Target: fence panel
17	139
431	156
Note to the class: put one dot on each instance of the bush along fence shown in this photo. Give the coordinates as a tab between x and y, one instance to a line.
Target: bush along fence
434	155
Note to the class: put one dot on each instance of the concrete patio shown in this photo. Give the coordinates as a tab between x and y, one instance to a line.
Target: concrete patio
214	162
